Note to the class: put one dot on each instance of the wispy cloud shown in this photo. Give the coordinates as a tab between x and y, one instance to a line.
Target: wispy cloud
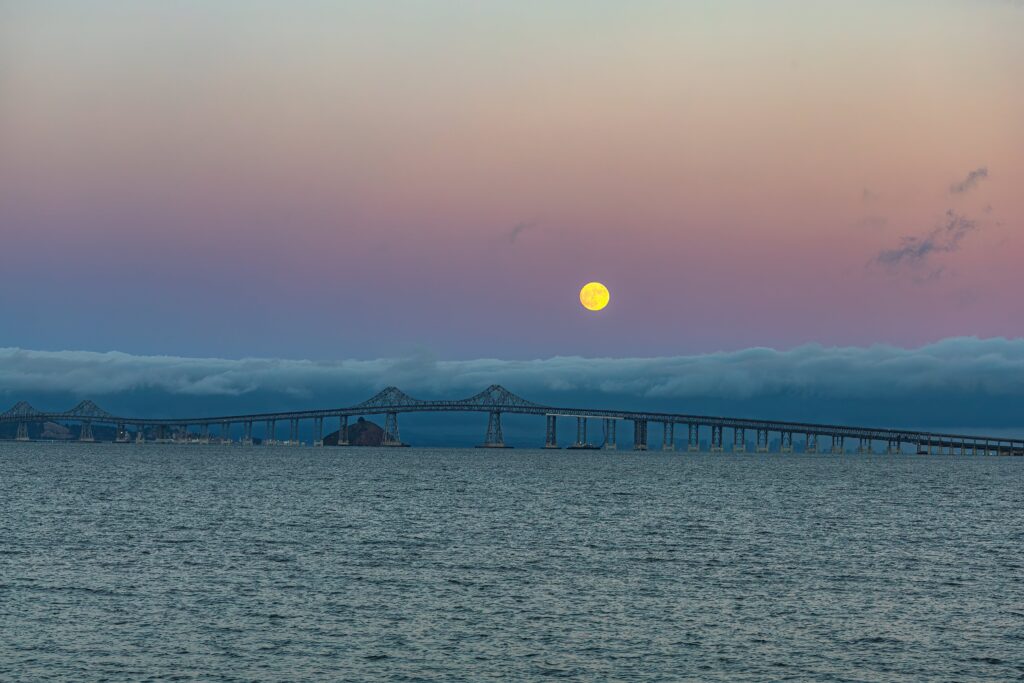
518	229
915	250
968	183
873	222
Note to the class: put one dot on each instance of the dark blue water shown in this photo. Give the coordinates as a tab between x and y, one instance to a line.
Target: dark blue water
225	563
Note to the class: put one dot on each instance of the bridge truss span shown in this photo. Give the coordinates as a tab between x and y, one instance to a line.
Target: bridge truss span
495	401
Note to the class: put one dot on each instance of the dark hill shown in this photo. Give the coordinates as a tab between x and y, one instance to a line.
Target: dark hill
360	433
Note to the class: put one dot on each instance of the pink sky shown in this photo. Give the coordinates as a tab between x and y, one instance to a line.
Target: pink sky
731	170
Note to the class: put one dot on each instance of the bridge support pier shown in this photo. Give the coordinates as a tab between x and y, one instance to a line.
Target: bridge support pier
717	443
581	433
86	432
550	433
343	430
838	444
293	432
865	447
894	447
270	438
318	432
668	436
247	433
692	437
811	444
609	434
225	432
639	435
739	440
762	440
22	432
122	433
494	438
391	435
204	433
786	442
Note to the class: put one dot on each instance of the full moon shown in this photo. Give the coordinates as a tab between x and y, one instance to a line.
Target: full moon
594	296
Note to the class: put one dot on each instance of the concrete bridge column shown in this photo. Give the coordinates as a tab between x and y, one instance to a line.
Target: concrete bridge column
668	436
391	434
318	431
22	432
786	442
717	443
693	437
343	430
609	434
140	434
762	440
247	433
225	432
270	438
739	440
838	444
293	432
865	446
894	447
204	433
122	433
639	435
86	432
550	433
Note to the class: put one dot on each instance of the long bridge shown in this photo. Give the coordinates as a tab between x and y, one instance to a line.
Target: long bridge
497	401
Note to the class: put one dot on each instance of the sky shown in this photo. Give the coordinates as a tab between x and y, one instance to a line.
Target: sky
329	181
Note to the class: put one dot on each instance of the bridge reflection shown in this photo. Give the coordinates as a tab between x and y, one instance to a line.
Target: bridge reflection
497	401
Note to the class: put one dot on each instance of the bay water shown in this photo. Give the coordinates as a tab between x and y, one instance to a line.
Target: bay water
157	562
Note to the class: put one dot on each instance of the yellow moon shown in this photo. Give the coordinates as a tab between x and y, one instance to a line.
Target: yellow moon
594	296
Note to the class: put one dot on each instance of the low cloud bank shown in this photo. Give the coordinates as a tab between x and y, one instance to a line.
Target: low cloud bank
965	382
967	364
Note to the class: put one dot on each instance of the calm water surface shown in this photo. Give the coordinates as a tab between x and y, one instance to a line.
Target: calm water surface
226	563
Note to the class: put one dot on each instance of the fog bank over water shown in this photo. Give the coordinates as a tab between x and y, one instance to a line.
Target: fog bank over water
962	382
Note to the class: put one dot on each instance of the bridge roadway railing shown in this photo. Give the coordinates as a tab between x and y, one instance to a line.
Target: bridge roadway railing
515	405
